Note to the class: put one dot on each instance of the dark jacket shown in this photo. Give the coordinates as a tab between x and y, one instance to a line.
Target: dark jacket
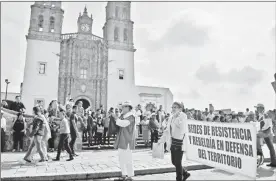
18	125
17	106
152	125
126	135
73	124
38	127
90	123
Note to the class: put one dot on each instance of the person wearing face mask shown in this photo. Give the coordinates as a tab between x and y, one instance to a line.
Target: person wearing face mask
176	132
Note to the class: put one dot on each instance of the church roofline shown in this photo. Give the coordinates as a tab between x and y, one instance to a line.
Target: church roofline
165	88
65	36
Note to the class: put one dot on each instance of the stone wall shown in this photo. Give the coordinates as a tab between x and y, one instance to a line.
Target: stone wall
11	116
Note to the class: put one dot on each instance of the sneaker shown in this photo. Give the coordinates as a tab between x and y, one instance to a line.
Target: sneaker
128	179
99	147
186	176
13	150
29	161
70	159
260	160
57	159
271	165
20	150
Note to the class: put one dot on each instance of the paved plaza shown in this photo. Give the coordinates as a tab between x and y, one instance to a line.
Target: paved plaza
88	165
263	173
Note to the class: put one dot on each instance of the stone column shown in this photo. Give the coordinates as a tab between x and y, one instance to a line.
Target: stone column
98	93
95	93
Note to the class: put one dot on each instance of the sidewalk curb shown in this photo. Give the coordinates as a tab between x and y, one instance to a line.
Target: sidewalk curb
100	174
104	174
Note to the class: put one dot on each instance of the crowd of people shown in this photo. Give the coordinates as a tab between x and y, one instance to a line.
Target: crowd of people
94	125
155	126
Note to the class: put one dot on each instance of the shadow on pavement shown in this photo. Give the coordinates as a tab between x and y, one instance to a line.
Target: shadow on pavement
221	171
263	172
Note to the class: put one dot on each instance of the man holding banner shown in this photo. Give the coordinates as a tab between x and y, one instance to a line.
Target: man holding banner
266	133
176	132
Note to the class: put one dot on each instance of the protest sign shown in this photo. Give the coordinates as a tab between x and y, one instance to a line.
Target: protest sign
226	146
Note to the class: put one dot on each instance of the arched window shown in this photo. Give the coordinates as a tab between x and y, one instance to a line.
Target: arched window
116	34
116	11
40	23
52	24
125	34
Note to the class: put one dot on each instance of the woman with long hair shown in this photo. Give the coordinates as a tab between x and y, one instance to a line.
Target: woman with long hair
47	134
92	128
53	108
176	133
37	133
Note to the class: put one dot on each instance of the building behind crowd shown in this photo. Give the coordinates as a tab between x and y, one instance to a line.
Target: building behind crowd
83	66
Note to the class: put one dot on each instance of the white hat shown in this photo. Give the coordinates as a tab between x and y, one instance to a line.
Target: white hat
127	103
259	105
153	114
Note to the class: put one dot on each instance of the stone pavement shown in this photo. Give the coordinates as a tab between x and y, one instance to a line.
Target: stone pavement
89	165
263	173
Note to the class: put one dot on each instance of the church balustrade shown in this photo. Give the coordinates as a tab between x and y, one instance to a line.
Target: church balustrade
74	35
68	36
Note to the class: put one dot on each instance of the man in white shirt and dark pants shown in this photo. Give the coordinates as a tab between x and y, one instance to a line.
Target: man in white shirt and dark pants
176	132
64	136
266	133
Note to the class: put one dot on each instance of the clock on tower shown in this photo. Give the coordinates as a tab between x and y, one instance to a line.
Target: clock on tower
85	27
85	22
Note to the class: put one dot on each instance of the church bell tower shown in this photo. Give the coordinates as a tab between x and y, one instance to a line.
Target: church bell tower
40	84
118	32
85	23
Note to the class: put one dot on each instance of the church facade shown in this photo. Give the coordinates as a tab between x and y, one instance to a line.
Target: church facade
81	65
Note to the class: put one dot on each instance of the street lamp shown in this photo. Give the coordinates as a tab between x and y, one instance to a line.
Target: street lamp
7	83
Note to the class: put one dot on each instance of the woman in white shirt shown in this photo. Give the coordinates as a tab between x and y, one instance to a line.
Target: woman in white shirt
176	132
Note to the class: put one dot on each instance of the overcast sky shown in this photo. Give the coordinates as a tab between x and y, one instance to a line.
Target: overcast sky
219	53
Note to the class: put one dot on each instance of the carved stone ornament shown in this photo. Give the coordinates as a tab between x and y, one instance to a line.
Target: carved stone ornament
83	88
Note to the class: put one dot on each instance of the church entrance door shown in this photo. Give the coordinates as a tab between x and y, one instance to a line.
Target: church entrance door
85	102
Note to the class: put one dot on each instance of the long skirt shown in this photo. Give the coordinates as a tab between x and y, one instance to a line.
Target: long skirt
146	133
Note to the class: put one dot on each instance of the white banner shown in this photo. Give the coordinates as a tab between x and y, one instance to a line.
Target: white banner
226	146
